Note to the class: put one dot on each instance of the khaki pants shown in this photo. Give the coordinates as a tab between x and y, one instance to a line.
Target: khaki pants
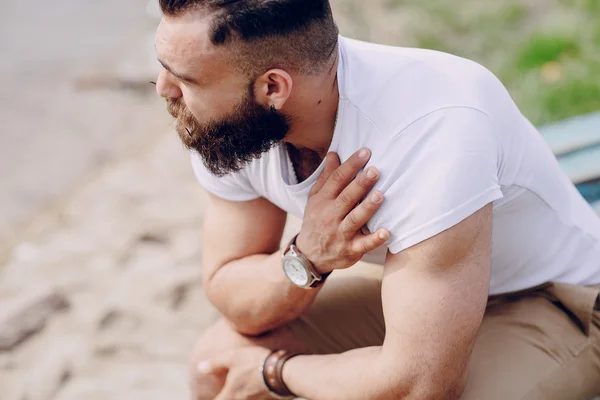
543	343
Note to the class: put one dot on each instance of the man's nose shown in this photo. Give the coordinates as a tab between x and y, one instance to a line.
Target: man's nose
166	87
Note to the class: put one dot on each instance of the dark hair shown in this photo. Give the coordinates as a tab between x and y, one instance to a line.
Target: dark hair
297	34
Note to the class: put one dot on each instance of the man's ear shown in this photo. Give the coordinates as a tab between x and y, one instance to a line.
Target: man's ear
273	88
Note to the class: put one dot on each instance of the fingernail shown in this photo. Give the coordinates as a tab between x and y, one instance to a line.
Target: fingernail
204	367
376	197
371	174
384	235
364	153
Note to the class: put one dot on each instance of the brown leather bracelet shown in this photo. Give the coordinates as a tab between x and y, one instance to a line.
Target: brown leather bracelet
272	374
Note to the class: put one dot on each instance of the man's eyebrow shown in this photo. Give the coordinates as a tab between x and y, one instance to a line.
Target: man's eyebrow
175	74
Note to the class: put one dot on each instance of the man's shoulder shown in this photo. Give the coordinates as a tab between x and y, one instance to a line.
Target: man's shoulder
240	185
394	86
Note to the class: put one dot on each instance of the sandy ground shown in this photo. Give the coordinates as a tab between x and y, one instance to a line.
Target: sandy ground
125	251
64	112
98	203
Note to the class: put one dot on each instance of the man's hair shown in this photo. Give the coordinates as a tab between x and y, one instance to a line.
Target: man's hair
290	34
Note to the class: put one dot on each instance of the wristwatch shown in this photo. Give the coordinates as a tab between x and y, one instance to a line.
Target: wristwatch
299	270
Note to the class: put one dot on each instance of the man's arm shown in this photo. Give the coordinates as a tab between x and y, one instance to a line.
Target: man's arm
243	275
434	296
242	271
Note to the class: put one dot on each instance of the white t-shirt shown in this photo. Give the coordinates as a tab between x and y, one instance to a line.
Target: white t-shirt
448	140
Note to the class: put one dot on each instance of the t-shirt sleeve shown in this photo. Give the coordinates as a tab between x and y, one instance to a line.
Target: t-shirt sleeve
435	173
233	187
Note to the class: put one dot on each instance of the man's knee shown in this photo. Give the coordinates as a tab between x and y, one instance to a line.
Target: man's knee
216	339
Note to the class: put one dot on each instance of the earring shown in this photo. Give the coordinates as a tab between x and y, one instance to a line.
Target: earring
273	108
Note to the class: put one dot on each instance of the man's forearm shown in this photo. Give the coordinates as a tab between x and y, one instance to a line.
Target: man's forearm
254	294
367	373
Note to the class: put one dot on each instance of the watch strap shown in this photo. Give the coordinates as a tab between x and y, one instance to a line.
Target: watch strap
320	282
291	243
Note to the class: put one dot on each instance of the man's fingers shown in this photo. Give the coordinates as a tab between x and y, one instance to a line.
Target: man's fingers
215	365
343	175
361	214
365	244
357	190
224	395
332	161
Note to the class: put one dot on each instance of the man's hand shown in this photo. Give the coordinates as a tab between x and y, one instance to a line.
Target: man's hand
331	236
242	368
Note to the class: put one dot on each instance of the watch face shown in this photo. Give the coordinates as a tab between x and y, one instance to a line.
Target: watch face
295	271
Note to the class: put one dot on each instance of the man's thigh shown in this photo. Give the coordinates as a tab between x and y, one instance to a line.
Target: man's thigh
533	348
347	314
526	349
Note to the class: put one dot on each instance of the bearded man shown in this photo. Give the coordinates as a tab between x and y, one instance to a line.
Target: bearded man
413	159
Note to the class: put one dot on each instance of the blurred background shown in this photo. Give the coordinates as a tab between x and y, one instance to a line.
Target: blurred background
100	217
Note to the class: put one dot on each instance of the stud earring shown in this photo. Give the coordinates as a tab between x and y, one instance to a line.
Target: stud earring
273	108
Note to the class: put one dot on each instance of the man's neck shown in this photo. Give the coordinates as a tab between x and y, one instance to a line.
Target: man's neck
314	113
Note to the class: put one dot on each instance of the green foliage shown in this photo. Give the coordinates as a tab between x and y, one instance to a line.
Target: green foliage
592	6
513	13
570	97
541	49
433	42
546	53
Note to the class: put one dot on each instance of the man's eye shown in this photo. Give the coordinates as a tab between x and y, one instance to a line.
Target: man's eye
188	82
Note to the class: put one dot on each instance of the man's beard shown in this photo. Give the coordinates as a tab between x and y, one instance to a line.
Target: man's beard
230	143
